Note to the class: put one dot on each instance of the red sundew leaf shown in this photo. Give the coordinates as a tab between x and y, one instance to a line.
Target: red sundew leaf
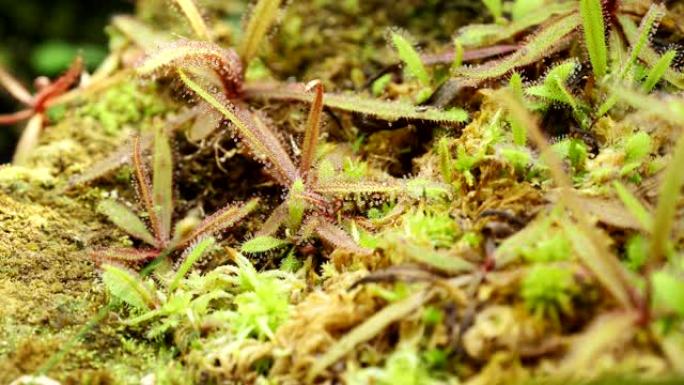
337	237
123	255
59	86
253	131
313	125
192	56
220	220
15	117
274	221
145	190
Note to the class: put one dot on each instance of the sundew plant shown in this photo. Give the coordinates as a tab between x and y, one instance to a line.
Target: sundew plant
355	192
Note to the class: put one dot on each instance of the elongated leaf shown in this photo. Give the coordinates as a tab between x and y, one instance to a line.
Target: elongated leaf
142	183
604	270
116	159
195	18
337	237
545	42
262	244
385	110
367	330
189	258
668	291
648	54
128	287
140	33
658	70
312	132
162	182
195	55
634	206
589	244
125	219
667	202
639	39
14	87
123	255
254	132
222	219
411	58
278	216
478	35
340	188
595	35
495	7
28	140
437	260
261	19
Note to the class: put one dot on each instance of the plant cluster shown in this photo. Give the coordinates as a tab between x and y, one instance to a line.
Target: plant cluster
543	235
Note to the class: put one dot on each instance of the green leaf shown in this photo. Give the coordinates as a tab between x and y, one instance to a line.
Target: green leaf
411	58
386	110
123	217
634	206
128	287
263	16
193	15
595	35
658	70
162	182
481	35
495	7
296	204
637	147
445	160
668	291
523	8
545	42
262	244
667	202
639	39
191	256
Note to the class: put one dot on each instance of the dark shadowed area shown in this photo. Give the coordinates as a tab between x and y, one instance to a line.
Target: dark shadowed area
42	37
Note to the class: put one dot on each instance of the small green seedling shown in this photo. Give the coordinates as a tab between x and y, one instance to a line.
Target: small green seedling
548	291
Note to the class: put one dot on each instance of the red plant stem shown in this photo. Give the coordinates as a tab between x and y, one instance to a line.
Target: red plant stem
15	117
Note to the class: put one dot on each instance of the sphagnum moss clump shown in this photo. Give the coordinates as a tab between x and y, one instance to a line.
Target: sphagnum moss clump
504	208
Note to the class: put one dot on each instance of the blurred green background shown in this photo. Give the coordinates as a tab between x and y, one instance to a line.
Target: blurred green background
42	38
